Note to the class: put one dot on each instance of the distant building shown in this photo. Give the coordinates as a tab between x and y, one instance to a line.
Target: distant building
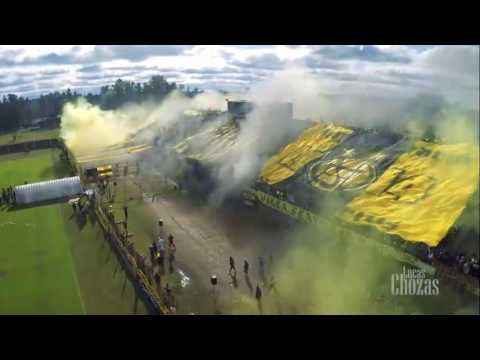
239	110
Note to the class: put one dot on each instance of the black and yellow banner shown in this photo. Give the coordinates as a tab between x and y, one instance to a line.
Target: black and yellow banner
416	191
355	163
421	195
308	217
312	144
287	209
332	158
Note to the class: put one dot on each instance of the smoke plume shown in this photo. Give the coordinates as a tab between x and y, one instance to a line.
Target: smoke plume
86	127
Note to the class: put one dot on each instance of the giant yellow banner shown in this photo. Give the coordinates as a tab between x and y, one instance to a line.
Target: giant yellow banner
421	195
311	144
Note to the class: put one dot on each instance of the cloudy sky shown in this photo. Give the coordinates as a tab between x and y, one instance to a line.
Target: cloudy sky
387	70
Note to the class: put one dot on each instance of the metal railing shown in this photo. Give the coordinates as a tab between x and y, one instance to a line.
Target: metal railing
128	257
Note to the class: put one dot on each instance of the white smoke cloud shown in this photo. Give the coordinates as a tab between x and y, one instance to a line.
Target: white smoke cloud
86	127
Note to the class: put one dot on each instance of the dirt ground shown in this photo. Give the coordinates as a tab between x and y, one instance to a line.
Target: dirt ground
205	239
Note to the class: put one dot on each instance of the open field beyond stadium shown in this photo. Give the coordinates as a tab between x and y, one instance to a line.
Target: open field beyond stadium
28	135
38	274
48	263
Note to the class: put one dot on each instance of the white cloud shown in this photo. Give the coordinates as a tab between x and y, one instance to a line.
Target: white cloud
394	70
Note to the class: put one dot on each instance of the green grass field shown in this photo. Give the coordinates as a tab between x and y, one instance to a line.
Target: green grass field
34	166
48	263
38	275
104	285
29	135
36	266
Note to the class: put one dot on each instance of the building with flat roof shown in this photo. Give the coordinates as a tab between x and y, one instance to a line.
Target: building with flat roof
238	110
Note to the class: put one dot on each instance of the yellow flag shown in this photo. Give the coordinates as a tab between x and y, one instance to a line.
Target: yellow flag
311	144
421	195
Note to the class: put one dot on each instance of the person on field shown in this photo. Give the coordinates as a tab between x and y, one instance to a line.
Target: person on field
258	293
245	267
160	227
141	262
232	264
171	260
151	249
157	279
155	248
170	240
258	296
7	194
168	291
261	266
161	251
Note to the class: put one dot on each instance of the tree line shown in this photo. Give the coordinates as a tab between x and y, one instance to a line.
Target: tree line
18	111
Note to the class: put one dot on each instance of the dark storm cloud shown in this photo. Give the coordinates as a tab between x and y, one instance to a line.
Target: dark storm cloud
256	47
99	76
224	70
23	88
18	78
264	61
136	53
53	72
90	69
52	58
7	56
366	53
318	62
6	62
15	82
93	69
101	53
228	77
